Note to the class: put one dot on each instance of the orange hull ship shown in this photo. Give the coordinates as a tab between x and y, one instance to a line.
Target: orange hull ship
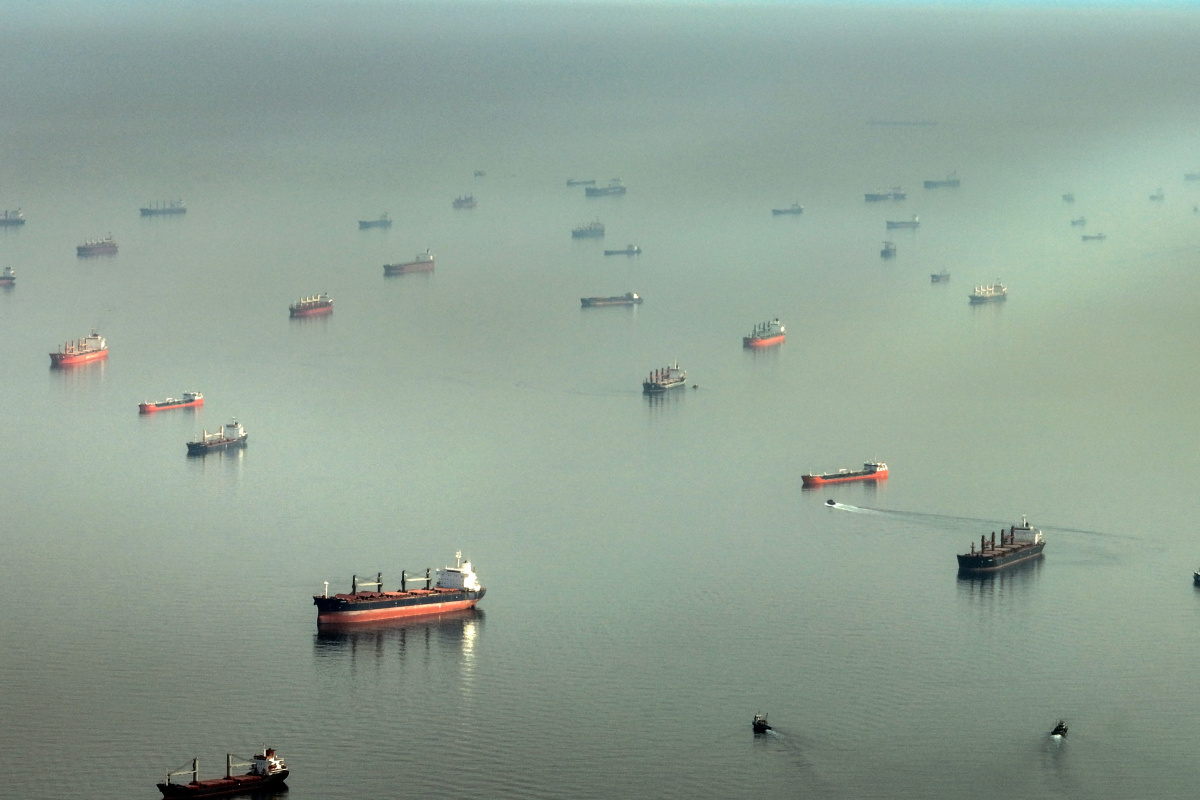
871	471
83	351
765	334
311	306
457	589
188	400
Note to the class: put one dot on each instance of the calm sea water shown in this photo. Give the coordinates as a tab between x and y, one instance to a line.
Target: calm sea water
655	573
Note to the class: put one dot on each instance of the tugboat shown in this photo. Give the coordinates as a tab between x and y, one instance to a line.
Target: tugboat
615	187
311	306
1093	237
12	218
759	725
592	230
232	435
8	277
896	193
627	250
949	182
457	589
765	334
267	771
164	208
189	400
384	221
1196	577
85	350
423	262
911	224
993	292
1060	730
1022	543
661	380
794	208
1079	222
888	251
97	247
627	299
871	471
940	277
465	201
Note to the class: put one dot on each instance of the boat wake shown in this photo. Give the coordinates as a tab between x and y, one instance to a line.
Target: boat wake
853	509
951	520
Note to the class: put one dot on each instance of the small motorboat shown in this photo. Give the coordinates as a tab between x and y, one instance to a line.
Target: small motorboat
1196	577
760	723
831	502
1060	730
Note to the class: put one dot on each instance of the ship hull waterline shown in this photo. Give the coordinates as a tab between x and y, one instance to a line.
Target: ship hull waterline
75	359
821	480
750	341
464	601
242	784
975	565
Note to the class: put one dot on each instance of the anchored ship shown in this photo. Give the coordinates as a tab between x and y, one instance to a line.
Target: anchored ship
164	207
311	306
1069	197
1079	222
991	293
232	435
188	400
765	334
614	187
97	247
949	182
888	251
1158	196
871	471
12	218
661	380
627	250
1093	237
267	771
8	277
896	193
592	230
423	262
939	277
578	182
457	588
794	208
915	222
384	221
466	201
82	351
1021	543
627	299
1191	176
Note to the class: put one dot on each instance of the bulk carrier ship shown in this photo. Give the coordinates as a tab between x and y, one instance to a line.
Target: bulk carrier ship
627	299
992	293
765	334
457	589
1022	543
12	218
267	771
97	247
311	306
82	351
167	207
423	262
661	380
232	435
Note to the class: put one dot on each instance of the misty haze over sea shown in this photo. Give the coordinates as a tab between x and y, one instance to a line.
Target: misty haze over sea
655	573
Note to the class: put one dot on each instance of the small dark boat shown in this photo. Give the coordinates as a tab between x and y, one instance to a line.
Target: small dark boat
1069	197
1060	730
1079	222
831	502
760	723
888	251
1196	577
939	277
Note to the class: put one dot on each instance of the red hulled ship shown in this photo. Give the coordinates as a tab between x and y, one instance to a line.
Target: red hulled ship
267	771
188	400
90	348
871	471
765	334
457	589
311	306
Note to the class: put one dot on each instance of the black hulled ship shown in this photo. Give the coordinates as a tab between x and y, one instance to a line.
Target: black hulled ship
1019	544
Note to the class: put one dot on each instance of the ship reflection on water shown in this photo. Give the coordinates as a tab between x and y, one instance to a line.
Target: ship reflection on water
1017	578
455	631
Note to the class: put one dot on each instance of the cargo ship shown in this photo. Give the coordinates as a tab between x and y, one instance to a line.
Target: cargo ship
12	218
97	247
614	187
627	250
794	208
888	251
232	435
765	334
592	230
940	277
188	400
627	299
311	306
163	208
896	193
1079	222
661	380
993	292
457	588
8	277
1093	237
423	262
949	182
267	771
466	201
913	223
579	182
82	351
384	221
1158	196
871	471
1069	197
1191	176
1021	543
